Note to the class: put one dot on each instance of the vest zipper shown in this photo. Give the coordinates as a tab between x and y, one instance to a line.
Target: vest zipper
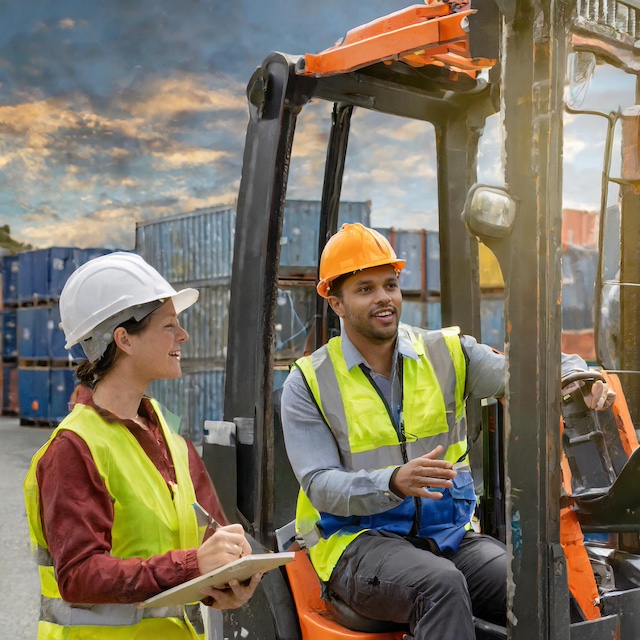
399	428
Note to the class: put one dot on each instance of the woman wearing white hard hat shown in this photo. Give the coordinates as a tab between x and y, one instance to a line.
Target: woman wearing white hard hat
110	496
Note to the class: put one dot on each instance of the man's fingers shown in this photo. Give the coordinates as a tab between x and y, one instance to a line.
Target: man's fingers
435	453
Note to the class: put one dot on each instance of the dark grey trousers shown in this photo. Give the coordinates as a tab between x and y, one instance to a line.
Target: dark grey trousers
385	577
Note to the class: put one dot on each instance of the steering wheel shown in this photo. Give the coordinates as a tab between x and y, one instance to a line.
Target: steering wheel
582	375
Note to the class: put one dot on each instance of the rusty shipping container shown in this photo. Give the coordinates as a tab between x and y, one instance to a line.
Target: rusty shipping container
194	247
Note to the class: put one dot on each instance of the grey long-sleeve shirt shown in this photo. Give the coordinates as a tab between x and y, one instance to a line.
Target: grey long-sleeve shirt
314	454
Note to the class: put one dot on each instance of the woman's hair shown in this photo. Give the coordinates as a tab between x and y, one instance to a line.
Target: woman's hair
90	373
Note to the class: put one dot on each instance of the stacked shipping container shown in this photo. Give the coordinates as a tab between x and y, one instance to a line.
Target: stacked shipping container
196	249
38	369
8	341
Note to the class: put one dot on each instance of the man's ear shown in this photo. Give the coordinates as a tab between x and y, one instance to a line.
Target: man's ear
122	339
336	304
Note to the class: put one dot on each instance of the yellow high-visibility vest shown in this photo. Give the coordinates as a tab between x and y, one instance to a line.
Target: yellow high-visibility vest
148	520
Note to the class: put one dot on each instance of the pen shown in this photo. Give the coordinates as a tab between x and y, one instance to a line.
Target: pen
204	518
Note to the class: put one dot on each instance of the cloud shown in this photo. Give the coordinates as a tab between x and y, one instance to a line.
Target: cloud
186	92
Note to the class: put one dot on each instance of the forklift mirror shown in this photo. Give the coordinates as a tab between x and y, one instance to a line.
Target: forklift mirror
489	211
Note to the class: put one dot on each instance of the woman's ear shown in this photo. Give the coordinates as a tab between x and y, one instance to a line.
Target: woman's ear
122	339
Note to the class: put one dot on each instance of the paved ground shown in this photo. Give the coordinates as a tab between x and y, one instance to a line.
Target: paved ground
19	584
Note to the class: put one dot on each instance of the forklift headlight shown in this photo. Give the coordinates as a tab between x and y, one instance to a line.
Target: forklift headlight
489	211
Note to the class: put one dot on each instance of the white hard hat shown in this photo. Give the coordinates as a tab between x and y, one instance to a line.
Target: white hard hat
109	290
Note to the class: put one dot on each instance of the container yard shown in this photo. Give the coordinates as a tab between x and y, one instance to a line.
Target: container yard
196	250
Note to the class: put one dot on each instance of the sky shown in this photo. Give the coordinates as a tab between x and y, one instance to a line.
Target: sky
117	111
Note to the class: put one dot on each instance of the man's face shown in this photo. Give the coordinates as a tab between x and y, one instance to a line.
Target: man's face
370	304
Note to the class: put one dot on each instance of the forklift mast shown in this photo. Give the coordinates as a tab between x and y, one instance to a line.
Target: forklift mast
451	64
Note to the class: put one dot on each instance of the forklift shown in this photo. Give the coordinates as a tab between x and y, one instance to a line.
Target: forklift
452	64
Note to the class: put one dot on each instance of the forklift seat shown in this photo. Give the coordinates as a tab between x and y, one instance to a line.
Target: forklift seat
319	620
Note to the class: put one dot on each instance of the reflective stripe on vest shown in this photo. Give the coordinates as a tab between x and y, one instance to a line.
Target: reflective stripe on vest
433	407
148	519
61	613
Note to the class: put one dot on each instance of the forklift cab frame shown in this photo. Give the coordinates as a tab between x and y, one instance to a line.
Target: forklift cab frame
529	42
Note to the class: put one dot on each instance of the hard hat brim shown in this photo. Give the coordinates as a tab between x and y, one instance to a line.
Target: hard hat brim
323	287
184	299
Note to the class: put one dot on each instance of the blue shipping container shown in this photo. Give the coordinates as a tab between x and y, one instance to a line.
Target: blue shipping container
195	247
299	240
9	388
492	322
195	397
9	338
56	340
421	250
409	246
33	276
579	268
33	332
61	265
10	268
433	262
422	313
61	386
33	392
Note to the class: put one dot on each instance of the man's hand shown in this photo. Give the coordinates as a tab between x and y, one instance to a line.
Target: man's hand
225	545
416	476
597	397
235	596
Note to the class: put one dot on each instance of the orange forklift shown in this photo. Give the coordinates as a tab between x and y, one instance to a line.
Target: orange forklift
452	64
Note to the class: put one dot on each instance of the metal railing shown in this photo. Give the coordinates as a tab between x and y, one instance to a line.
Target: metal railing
616	19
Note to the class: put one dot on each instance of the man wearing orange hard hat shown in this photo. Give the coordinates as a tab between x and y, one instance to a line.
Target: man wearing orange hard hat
374	425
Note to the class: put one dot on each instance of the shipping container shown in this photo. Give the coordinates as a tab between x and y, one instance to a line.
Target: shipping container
422	313
580	227
299	240
43	273
33	392
579	267
80	256
10	267
295	308
411	246
194	247
33	276
580	343
433	262
9	338
10	404
62	263
492	321
56	340
62	382
421	250
206	323
33	329
195	397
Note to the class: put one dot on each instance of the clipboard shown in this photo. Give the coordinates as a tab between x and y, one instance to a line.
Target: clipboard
241	569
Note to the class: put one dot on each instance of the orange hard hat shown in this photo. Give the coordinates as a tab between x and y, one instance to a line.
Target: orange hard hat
353	248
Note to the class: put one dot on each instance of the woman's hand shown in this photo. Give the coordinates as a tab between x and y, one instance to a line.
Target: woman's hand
224	546
235	596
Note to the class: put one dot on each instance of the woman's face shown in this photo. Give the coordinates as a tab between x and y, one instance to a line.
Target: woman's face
156	350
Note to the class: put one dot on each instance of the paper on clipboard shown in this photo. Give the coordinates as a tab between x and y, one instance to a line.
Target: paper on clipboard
241	569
